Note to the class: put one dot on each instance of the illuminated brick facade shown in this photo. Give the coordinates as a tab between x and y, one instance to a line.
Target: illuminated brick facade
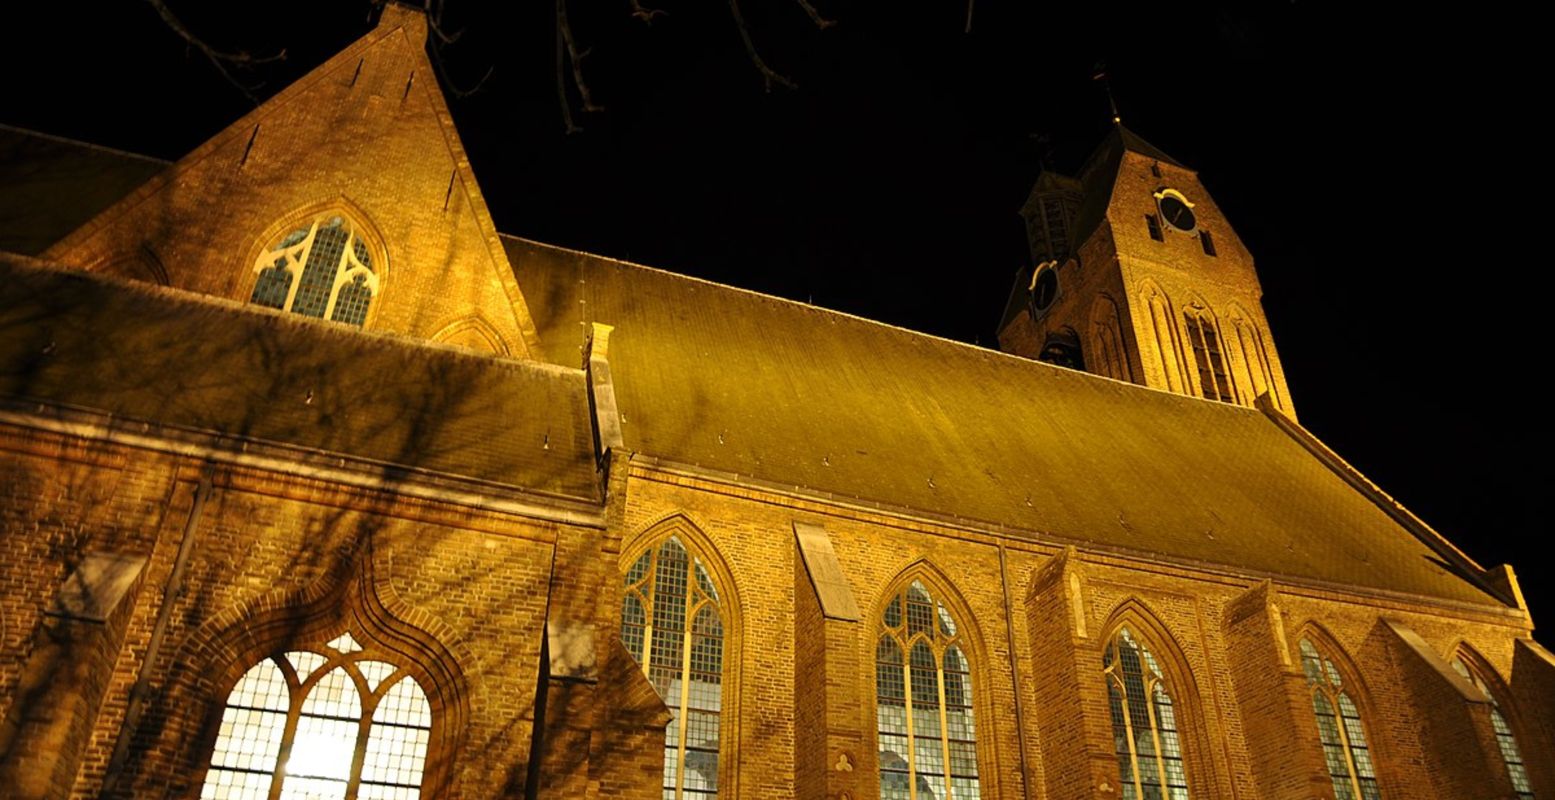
190	484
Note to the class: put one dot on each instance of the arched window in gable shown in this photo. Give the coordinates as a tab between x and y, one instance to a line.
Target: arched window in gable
323	269
1339	727
1511	754
672	624
1144	721
923	702
328	723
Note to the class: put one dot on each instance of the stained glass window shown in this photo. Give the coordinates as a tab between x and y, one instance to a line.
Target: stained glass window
1511	755
321	270
923	702
1144	722
294	723
1339	728
671	622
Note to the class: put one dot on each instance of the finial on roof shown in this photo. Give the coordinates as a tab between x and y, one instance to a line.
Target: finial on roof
1106	85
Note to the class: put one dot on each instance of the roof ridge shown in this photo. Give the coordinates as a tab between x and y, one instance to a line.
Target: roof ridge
83	143
975	348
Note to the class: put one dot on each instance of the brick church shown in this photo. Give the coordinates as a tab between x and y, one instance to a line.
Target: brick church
316	485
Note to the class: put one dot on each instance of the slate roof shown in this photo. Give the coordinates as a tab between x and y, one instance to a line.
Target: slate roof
49	186
796	395
730	380
148	353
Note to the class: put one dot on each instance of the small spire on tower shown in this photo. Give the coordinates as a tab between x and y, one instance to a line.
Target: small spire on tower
1106	84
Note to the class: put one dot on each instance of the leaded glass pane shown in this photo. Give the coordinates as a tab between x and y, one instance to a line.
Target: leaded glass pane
274	283
1144	722
324	268
925	730
351	301
1339	727
319	271
665	588
326	750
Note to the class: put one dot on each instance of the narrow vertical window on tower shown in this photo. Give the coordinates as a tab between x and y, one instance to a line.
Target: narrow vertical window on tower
331	723
1207	242
923	702
670	621
1144	722
323	269
1339	728
1506	742
1214	381
1153	223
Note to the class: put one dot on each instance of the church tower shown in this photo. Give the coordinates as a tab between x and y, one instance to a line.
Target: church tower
1136	275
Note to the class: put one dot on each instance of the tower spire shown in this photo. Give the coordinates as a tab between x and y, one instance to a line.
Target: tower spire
1106	84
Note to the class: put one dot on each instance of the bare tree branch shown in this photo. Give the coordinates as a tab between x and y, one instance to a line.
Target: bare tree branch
575	56
220	59
768	76
815	16
434	17
646	14
561	70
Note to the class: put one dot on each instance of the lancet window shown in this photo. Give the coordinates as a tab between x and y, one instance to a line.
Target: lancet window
923	702
672	623
1506	742
1144	722
1339	727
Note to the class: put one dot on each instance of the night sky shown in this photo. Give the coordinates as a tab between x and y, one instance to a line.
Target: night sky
1368	162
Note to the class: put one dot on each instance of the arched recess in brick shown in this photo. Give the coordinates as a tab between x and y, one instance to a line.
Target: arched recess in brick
360	602
1150	634
967	637
1350	684
1252	360
245	273
1160	324
648	543
473	333
1108	356
1513	737
143	266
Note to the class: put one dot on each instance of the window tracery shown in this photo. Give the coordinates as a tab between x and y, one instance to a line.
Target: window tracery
1339	727
322	270
327	723
926	733
672	624
1506	741
1144	722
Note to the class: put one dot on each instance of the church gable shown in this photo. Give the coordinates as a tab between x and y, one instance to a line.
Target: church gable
347	197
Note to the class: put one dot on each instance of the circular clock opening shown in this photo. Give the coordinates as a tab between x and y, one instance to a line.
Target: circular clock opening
1044	289
1177	213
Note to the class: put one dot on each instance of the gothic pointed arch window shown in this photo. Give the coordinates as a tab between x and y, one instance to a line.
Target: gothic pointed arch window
326	722
672	623
1339	727
1208	355
322	269
1144	721
927	737
1506	741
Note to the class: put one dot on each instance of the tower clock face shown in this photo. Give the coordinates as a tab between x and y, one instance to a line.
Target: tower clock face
1176	212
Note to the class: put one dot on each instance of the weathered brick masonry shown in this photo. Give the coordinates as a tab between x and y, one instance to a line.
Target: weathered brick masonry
191	484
